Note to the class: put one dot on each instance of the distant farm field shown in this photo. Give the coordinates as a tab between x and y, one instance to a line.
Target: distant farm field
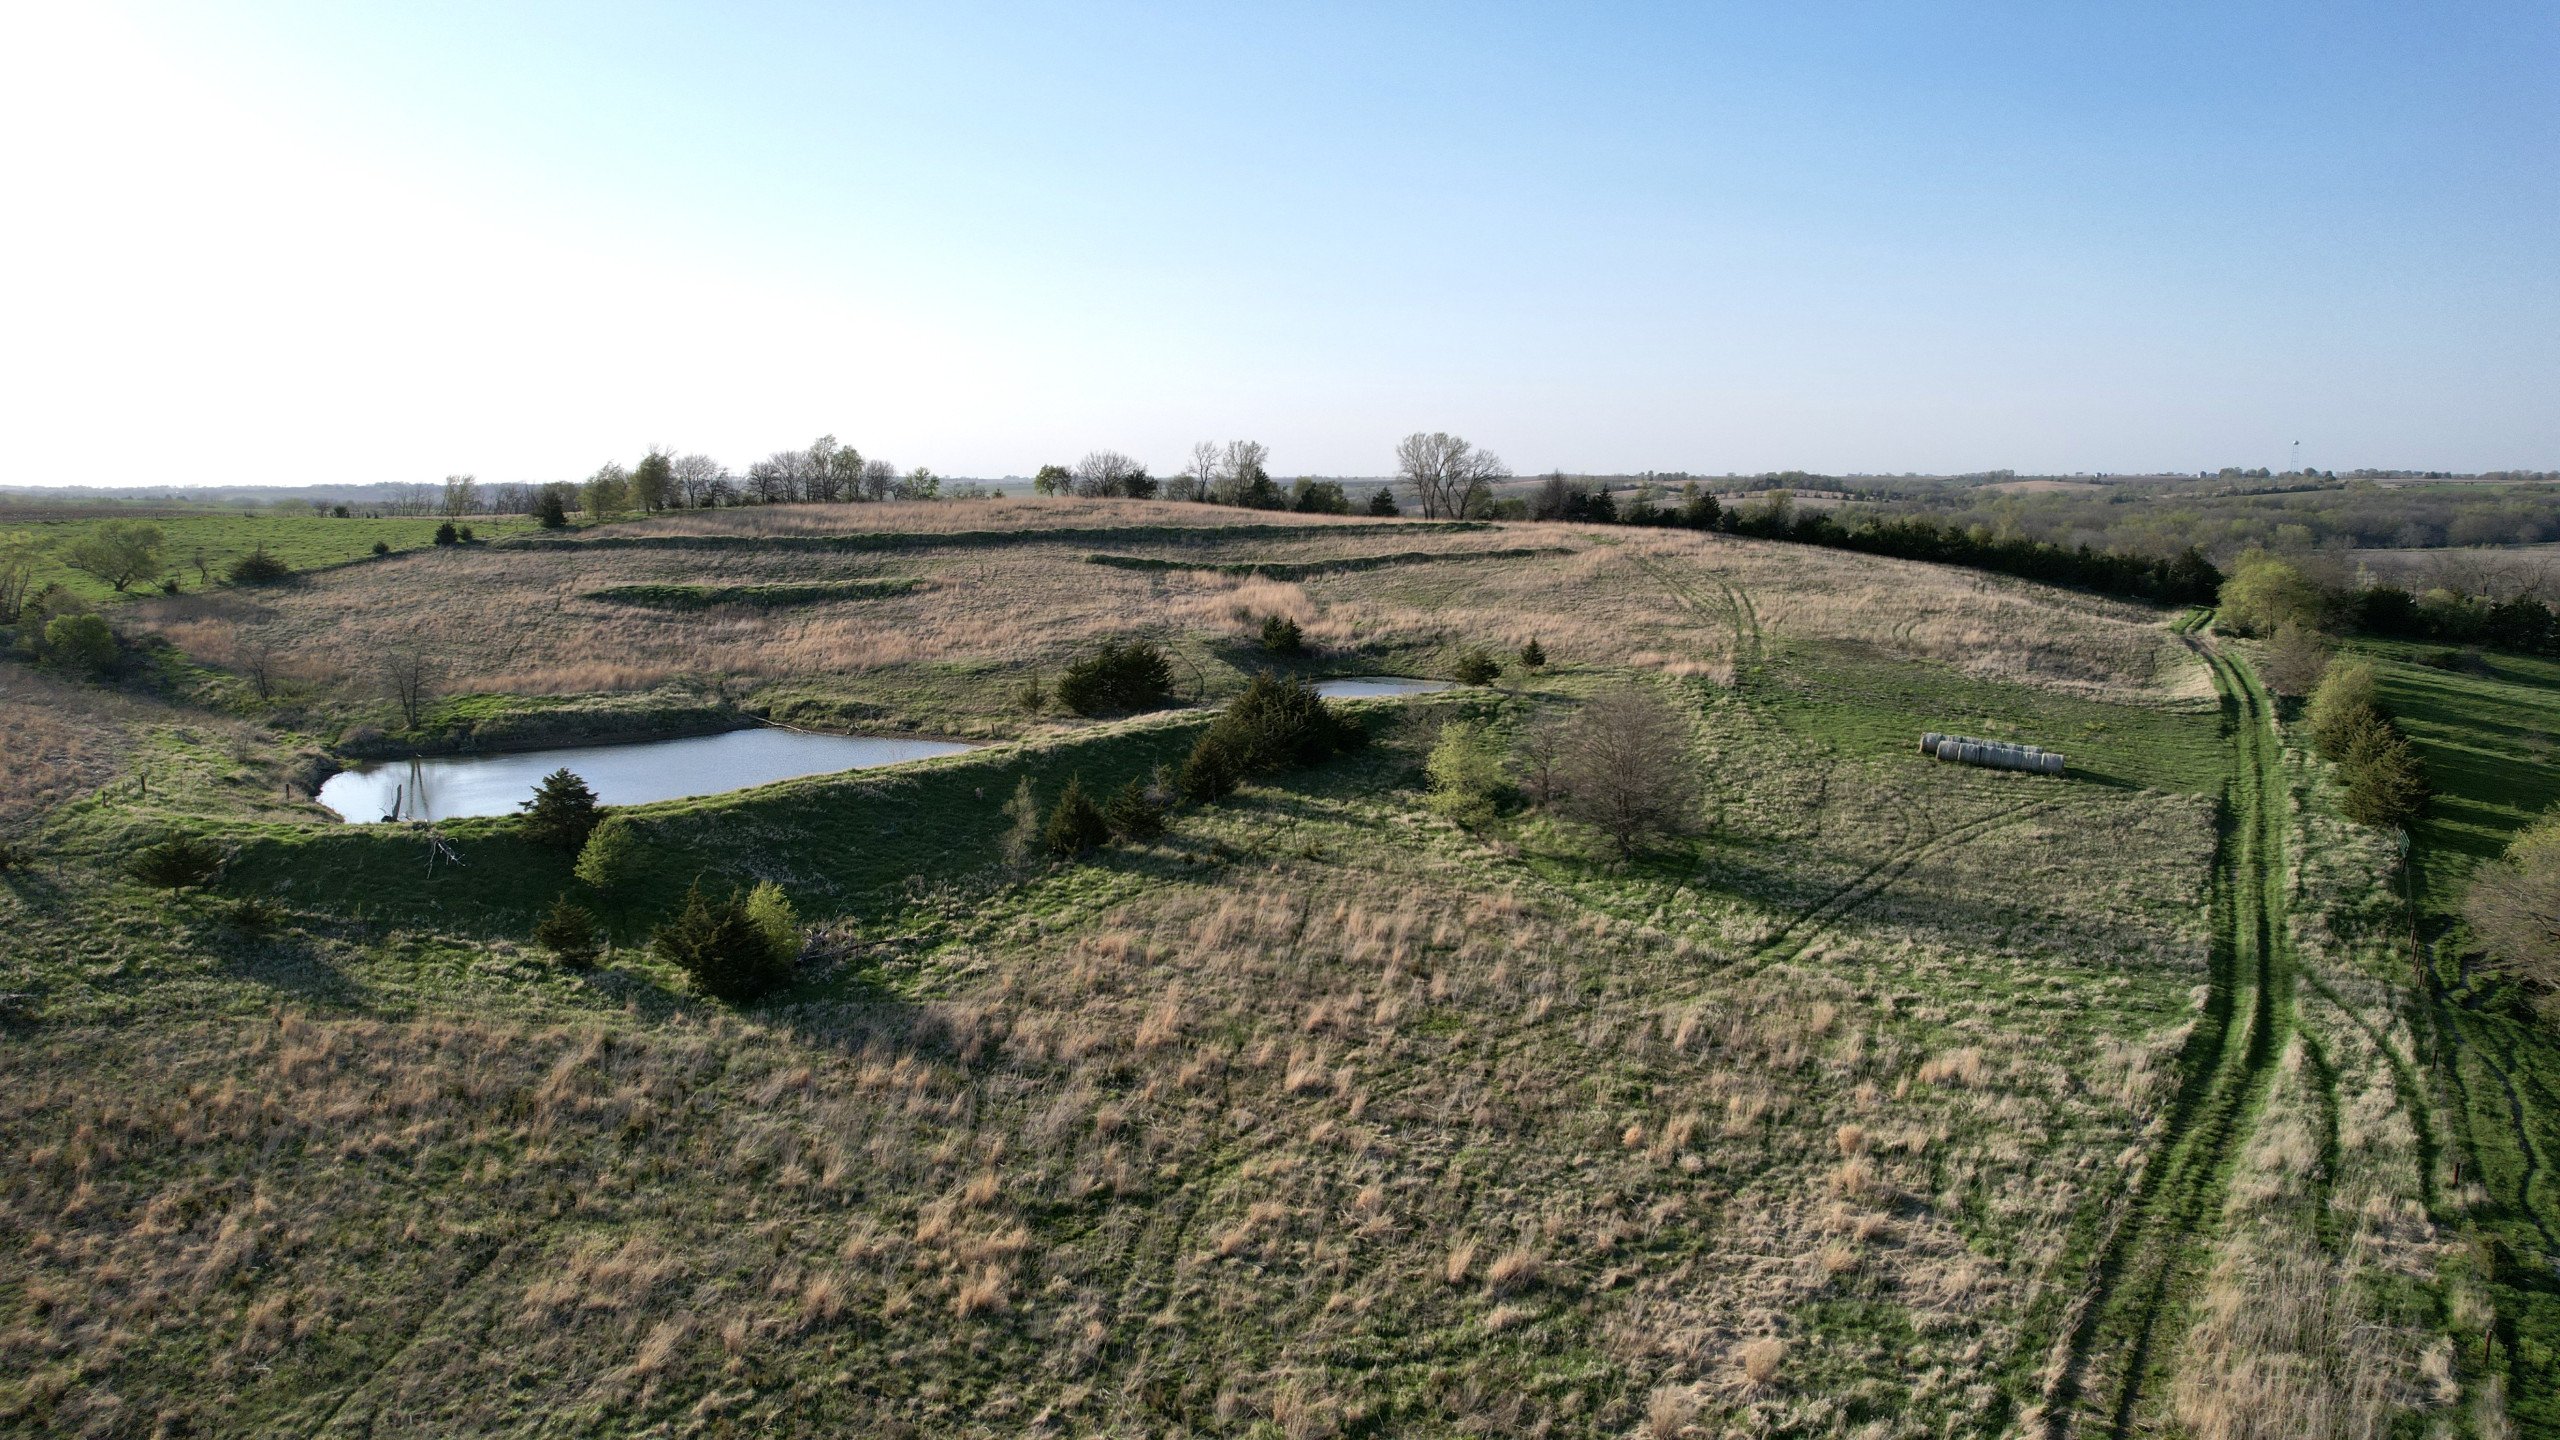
199	549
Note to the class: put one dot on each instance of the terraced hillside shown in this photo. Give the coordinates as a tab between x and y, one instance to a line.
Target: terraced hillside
1901	1098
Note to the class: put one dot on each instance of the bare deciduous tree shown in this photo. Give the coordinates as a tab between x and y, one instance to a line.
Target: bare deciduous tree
461	494
695	479
258	667
1539	753
409	675
1451	478
17	577
1106	472
2514	906
1625	770
2295	659
879	477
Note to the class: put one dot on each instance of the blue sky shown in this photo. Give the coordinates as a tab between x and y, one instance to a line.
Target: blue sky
331	242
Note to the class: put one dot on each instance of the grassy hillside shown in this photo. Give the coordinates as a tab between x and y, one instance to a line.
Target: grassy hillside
1899	1098
2485	730
199	549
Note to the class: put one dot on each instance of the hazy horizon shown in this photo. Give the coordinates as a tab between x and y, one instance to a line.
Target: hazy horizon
293	244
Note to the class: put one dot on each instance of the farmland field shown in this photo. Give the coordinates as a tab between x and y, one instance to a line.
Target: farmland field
1893	1098
199	548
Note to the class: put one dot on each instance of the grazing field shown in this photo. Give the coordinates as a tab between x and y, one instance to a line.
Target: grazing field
937	631
198	548
1891	1098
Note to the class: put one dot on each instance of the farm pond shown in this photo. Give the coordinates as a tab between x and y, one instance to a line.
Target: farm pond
447	787
1374	687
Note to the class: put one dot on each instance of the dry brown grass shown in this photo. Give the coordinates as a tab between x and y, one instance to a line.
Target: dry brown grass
57	740
518	620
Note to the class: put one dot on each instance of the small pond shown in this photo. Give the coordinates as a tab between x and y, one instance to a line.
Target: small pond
445	787
1372	687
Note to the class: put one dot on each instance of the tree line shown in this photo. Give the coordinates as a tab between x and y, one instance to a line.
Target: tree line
2185	578
2269	592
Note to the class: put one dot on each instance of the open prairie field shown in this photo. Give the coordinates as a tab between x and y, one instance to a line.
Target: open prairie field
1885	1098
847	611
198	548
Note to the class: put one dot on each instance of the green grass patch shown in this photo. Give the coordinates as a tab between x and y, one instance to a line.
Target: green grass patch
199	549
1869	704
2488	739
855	843
762	597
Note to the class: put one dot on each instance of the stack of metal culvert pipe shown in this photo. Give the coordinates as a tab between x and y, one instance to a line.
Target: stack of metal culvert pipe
1991	754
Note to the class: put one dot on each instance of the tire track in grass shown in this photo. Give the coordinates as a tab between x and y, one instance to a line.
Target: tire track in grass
2143	1269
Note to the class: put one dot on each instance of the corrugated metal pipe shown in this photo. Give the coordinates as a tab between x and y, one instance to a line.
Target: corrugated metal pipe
1993	754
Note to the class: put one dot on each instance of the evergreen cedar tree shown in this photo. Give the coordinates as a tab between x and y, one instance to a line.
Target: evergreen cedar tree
1474	667
1117	679
445	534
2386	782
1075	824
1133	813
568	931
178	862
719	946
1533	656
1382	501
549	510
1274	725
1281	636
562	812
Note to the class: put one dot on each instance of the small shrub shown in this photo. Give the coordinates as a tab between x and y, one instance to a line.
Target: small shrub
1475	667
466	536
1212	771
1466	773
80	643
777	922
717	945
1031	697
568	931
253	916
1760	1360
1022	834
1274	724
1118	679
1134	814
1281	636
16	854
2346	694
610	859
562	812
447	535
259	568
1075	824
178	862
381	547
169	585
1533	656
2386	781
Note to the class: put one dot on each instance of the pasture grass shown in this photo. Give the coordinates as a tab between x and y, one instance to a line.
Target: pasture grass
1319	1115
305	542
